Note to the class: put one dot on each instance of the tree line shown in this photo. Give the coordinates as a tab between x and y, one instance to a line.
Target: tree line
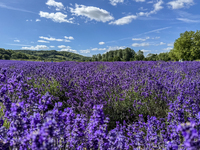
186	47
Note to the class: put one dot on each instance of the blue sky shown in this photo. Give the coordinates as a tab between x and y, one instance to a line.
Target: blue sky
96	26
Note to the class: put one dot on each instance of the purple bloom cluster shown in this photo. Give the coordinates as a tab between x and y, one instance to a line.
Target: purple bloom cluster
100	105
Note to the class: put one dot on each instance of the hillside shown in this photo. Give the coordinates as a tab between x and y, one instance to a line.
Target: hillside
48	55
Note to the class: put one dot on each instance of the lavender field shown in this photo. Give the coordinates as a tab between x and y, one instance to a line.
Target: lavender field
100	105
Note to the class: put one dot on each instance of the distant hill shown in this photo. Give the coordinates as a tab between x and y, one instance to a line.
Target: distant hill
46	55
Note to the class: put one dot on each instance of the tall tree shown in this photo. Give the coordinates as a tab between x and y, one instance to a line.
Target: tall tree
187	46
139	55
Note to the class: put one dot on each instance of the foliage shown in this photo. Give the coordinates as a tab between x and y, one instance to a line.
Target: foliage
187	46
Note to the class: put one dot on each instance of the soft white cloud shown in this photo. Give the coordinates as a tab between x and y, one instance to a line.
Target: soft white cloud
170	44
37	20
38	47
67	40
187	20
161	43
168	48
141	8
94	49
140	39
150	2
140	44
42	41
69	50
56	17
16	40
102	49
157	6
70	37
157	37
140	0
101	43
85	51
177	4
52	46
124	20
64	47
58	5
51	39
114	2
145	51
94	13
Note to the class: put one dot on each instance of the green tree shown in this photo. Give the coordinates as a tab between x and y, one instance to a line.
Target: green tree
139	55
164	56
6	57
152	57
187	46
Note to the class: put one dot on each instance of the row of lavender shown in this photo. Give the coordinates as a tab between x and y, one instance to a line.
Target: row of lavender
151	101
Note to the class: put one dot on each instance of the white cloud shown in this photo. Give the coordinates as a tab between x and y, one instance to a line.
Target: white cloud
51	39
157	6
170	44
38	47
114	48
187	20
27	20
101	43
58	5
145	51
140	39
140	44
157	37
70	37
177	4
94	13
150	2
52	46
102	49
16	40
141	8
42	41
124	20
37	20
114	2
161	43
64	47
57	17
85	51
168	48
67	41
69	50
140	0
94	49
